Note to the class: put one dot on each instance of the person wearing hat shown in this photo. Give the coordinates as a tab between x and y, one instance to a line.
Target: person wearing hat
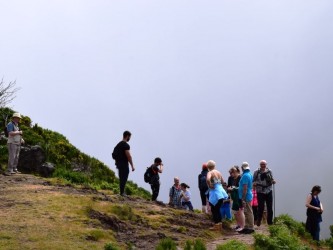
14	144
263	181
203	187
246	196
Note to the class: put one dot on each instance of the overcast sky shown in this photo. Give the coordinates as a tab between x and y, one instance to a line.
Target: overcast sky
230	81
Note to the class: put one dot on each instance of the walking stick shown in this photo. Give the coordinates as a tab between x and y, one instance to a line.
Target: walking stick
274	201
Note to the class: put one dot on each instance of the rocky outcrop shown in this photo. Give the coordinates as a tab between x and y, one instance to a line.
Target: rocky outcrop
32	160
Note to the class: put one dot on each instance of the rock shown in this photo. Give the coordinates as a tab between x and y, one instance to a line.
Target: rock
32	160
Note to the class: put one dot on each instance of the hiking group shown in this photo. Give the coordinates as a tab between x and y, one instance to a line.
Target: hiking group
245	196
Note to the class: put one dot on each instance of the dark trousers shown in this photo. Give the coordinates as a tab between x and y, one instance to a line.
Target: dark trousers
155	189
268	199
255	213
203	197
123	172
216	211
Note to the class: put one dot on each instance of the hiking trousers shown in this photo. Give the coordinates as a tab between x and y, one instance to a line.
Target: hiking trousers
268	199
155	189
216	211
13	156
123	172
248	212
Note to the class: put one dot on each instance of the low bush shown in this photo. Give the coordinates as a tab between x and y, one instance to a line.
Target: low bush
166	244
232	245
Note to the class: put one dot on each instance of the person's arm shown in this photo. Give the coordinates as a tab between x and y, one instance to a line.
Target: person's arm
244	192
11	132
273	180
160	169
129	158
308	205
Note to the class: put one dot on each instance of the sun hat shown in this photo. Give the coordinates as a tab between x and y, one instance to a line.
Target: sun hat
245	165
18	115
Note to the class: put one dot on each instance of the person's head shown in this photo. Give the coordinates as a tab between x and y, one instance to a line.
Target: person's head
316	190
176	180
16	117
204	166
127	135
184	185
263	164
245	166
234	171
158	161
211	165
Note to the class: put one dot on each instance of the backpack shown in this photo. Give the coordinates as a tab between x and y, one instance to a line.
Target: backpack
115	153
148	174
202	182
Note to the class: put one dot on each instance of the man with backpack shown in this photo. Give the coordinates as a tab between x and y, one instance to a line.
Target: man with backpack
263	181
203	187
154	181
122	155
14	144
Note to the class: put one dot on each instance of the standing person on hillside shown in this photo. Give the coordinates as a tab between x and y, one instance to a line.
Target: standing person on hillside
203	188
237	207
245	194
313	212
156	168
174	194
263	181
216	194
14	144
122	155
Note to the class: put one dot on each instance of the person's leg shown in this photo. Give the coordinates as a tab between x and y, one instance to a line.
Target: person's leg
203	201
261	206
17	149
255	213
11	157
269	203
155	188
248	215
216	211
123	171
316	232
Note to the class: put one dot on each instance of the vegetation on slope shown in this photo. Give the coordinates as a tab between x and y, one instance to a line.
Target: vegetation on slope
72	165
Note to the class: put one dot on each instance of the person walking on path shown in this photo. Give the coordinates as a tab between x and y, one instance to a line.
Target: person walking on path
216	194
156	168
245	194
174	194
313	213
122	155
263	181
203	188
14	144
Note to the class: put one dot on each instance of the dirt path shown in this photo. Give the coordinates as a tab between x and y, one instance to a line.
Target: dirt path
232	235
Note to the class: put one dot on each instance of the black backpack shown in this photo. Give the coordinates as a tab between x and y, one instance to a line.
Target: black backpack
115	153
202	182
148	174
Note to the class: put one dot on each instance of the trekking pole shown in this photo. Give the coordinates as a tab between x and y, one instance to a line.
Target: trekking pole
274	201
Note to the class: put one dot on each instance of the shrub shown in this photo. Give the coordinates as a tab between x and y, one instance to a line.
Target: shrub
166	244
232	245
124	212
195	245
110	246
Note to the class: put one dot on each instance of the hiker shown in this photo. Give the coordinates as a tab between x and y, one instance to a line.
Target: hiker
263	181
156	168
174	194
14	142
313	212
203	188
122	155
216	194
237	208
245	194
185	197
225	208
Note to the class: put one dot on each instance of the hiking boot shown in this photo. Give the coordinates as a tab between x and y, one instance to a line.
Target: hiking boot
246	231
17	172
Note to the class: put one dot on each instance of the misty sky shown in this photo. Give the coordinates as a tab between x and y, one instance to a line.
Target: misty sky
230	81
